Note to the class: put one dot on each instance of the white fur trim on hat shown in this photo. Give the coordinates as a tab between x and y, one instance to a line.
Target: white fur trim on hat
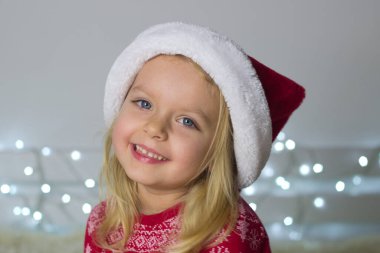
229	67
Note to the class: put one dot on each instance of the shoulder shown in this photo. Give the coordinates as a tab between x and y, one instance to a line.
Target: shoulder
248	219
96	217
248	235
249	227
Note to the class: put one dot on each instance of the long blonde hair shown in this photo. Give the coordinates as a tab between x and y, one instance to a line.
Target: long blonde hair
209	207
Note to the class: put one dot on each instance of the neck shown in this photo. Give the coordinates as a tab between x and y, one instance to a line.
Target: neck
153	201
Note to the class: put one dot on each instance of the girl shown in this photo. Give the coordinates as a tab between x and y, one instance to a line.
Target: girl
189	125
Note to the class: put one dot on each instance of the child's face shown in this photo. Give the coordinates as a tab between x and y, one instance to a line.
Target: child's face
166	124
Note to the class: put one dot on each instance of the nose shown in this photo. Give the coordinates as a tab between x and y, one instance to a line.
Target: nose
156	128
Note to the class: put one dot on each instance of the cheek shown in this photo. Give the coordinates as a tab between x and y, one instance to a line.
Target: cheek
116	131
119	133
192	151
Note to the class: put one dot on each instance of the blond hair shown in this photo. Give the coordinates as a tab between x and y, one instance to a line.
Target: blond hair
209	207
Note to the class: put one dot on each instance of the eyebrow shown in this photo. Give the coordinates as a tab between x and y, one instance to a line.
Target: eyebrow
136	88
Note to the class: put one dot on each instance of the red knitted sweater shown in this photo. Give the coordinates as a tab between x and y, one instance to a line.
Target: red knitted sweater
154	232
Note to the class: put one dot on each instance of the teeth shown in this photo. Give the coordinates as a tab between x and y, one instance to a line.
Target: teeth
150	154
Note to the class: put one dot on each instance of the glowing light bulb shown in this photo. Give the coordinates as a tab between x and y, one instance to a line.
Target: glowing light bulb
19	144
13	189
86	208
357	180
46	151
317	168
268	172
66	198
17	210
304	170
319	202
249	191
45	188
285	185
75	155
276	228
37	215
290	144
5	188
339	186
279	146
25	211
288	221
280	180
28	171
89	183
363	161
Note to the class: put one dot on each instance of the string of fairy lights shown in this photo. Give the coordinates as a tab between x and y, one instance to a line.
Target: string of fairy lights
269	184
282	146
34	211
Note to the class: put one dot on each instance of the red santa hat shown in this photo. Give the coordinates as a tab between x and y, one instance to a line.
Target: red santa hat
259	99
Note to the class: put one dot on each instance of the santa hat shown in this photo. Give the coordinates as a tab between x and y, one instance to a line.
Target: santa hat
260	100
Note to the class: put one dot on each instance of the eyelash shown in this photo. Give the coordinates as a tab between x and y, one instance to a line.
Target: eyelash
140	103
193	125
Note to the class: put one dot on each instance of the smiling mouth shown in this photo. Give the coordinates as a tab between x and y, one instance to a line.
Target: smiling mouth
147	153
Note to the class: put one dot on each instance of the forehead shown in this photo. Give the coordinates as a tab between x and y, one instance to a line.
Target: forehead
178	68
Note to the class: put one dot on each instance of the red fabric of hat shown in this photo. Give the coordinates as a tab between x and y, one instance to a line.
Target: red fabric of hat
283	95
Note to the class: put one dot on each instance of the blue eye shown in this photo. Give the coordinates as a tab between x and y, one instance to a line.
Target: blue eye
143	104
187	122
